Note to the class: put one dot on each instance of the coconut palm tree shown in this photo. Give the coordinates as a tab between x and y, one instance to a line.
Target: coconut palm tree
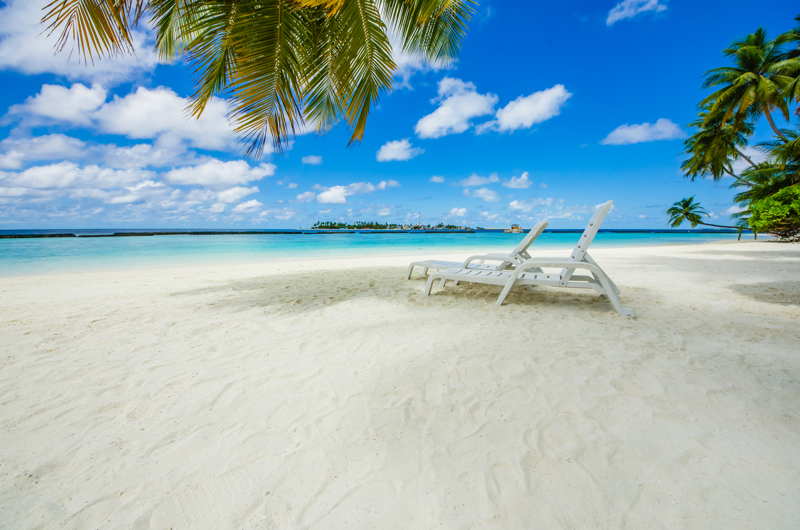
715	146
688	210
284	65
756	82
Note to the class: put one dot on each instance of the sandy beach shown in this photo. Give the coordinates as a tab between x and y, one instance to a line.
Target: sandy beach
332	394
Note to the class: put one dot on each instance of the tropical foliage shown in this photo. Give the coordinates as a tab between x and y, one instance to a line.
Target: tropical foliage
763	81
778	213
284	65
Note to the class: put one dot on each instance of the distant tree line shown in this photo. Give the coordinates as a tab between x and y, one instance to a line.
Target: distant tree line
374	225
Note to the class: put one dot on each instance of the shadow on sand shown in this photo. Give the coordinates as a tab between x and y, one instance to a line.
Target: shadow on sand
309	291
783	293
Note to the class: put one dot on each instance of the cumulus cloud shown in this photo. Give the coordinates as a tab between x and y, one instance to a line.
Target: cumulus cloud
152	113
73	105
437	179
484	194
312	160
631	8
14	152
339	194
383	212
397	150
735	209
157	113
458	212
236	193
410	63
459	102
520	182
756	155
69	174
306	196
526	111
216	173
478	180
527	206
662	129
26	47
248	206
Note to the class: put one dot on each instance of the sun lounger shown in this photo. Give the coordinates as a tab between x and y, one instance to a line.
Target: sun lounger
504	261
531	272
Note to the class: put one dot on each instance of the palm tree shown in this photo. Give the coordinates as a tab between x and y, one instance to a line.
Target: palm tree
715	146
283	64
688	210
754	84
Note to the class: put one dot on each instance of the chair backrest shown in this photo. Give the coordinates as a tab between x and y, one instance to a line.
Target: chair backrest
521	250
588	235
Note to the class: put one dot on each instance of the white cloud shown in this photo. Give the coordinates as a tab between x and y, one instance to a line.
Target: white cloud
519	183
17	151
165	152
526	111
631	8
333	195
26	47
527	206
339	194
152	113
68	174
397	150
437	179
410	63
735	209
236	193
477	180
216	173
458	212
484	194
459	103
489	216
662	129
756	155
306	196
248	206
312	160
73	105
383	212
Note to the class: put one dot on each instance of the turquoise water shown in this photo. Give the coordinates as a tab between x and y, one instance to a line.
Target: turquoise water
23	256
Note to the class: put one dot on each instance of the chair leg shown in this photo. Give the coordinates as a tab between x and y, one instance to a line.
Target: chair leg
410	270
429	285
443	283
506	289
613	296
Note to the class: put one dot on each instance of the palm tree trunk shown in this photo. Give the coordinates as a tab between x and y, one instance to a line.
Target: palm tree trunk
772	124
717	226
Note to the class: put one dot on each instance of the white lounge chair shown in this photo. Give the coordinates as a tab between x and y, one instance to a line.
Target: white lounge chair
505	261
530	272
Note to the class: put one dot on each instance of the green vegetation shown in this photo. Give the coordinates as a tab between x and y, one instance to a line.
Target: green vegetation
367	225
764	80
282	64
778	213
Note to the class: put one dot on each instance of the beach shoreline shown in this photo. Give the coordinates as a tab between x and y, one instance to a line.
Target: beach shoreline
331	393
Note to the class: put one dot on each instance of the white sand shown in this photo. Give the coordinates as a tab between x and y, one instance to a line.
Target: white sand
336	397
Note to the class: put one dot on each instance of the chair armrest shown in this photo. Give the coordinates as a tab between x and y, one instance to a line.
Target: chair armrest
493	257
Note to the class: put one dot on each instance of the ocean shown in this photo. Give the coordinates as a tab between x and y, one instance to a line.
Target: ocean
42	255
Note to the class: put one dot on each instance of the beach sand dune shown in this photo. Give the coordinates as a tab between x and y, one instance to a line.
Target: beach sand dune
333	394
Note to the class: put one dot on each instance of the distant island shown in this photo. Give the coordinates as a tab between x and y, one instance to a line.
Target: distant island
365	225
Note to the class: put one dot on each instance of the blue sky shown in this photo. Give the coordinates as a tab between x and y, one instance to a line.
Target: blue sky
551	107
